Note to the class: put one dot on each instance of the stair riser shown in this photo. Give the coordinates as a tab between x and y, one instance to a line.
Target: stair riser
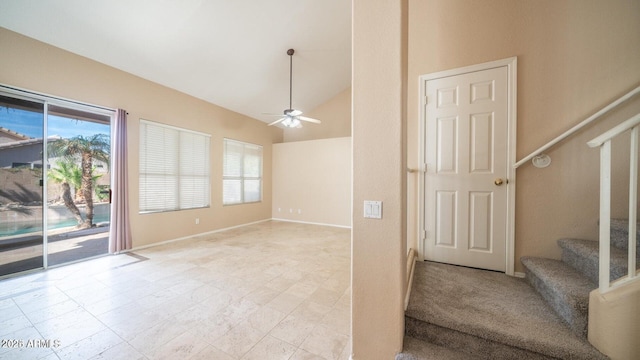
620	239
590	267
588	264
466	343
576	316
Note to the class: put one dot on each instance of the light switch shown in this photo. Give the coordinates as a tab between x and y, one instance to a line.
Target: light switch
373	209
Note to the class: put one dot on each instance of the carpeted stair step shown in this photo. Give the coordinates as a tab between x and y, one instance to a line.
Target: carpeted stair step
487	315
620	235
415	349
583	255
565	289
471	345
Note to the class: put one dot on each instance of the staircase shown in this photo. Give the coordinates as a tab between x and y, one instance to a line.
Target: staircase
566	284
456	312
461	313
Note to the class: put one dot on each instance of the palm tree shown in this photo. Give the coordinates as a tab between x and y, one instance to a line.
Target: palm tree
67	173
95	147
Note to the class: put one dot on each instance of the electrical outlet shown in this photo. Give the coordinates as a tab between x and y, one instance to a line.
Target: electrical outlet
197	221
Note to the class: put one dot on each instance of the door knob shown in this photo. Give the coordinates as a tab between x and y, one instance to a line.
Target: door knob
498	182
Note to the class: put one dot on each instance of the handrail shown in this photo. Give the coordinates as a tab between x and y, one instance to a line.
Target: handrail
615	131
579	126
604	143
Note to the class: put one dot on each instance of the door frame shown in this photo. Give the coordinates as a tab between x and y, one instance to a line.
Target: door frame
511	65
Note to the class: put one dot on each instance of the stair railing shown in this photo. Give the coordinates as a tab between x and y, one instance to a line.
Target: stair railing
604	142
579	126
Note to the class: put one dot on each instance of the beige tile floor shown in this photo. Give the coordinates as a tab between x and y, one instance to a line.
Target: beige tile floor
272	290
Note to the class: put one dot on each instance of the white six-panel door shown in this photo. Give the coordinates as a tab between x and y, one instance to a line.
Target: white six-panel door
466	144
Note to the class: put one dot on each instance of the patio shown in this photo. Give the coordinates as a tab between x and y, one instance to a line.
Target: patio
24	252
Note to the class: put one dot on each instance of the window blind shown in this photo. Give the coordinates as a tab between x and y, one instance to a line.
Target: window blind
242	172
174	168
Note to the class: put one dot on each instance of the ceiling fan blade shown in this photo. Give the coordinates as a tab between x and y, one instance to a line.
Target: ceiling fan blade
277	121
304	118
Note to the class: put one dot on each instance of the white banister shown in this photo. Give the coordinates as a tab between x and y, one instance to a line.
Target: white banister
604	142
579	126
633	205
605	216
615	131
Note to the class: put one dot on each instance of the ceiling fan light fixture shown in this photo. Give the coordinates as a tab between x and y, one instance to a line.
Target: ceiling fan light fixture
291	122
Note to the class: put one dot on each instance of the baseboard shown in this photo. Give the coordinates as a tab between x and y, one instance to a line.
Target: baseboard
311	223
191	236
519	275
411	258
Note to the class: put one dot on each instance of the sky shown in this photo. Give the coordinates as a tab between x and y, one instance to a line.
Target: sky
30	123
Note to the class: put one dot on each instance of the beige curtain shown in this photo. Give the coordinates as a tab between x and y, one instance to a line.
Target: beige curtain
120	231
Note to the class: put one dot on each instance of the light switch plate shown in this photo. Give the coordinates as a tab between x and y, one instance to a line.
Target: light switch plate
373	209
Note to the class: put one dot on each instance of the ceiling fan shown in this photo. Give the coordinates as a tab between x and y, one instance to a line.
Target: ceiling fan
291	117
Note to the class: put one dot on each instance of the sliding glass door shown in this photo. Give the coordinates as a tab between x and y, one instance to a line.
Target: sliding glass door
57	213
21	191
78	186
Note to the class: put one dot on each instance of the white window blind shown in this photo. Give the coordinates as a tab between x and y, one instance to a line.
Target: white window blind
174	168
242	172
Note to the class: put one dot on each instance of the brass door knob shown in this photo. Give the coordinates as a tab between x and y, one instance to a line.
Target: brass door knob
498	182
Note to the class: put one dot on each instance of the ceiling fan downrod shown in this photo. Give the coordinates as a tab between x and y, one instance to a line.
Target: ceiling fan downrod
290	52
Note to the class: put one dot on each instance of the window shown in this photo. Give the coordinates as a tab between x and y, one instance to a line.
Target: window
242	173
174	168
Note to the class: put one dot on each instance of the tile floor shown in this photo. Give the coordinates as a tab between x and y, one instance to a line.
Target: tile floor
272	290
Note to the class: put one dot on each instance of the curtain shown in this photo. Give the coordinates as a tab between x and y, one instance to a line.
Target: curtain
120	231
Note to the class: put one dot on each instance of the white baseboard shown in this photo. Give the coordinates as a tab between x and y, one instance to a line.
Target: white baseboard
519	275
311	223
225	229
192	236
412	260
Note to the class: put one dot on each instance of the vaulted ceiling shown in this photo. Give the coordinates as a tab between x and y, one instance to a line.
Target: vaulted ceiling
228	52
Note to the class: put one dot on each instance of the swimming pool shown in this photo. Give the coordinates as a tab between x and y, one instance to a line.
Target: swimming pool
12	228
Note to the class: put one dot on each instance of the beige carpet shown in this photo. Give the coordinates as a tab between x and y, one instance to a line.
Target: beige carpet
451	305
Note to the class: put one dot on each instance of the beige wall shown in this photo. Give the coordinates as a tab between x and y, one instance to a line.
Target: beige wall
378	246
335	115
574	57
312	181
35	66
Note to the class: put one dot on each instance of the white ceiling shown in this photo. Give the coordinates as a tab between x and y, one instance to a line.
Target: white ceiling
228	52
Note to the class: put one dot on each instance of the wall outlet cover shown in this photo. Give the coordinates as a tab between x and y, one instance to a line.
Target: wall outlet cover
372	209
